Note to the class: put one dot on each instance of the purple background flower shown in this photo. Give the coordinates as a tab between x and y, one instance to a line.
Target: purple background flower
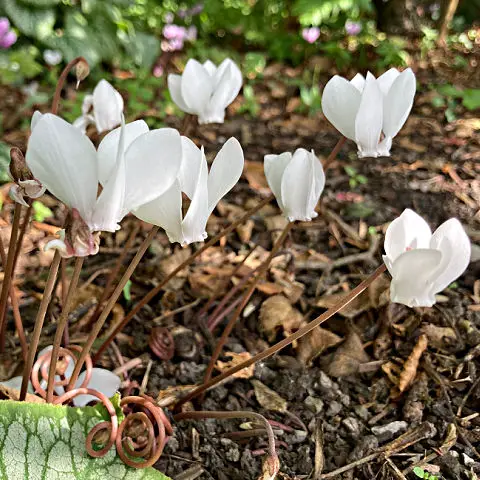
7	37
311	34
353	28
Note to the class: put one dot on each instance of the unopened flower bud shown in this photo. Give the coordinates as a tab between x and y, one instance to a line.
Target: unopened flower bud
18	166
82	70
26	184
76	240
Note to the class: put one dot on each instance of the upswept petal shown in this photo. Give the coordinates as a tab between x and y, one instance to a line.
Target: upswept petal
386	80
210	67
196	87
369	119
225	171
175	89
227	82
107	150
190	168
450	238
64	160
166	212
82	123
35	118
408	231
110	206
274	167
319	184
195	221
152	164
413	273
102	380
224	93
107	106
398	102
297	186
358	81
340	104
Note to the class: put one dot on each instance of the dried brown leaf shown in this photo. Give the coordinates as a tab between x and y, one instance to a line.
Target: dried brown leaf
269	399
237	358
315	343
439	337
276	312
411	365
348	357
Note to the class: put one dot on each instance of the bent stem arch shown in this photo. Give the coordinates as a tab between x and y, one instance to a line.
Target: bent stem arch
286	341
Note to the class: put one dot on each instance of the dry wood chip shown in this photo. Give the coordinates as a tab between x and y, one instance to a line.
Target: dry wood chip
411	365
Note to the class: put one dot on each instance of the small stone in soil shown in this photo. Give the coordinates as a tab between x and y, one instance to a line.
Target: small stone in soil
352	425
314	404
388	431
334	408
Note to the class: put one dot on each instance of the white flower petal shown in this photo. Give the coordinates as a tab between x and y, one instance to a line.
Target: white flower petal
152	162
386	80
195	221
107	150
190	168
406	232
175	89
412	275
196	87
166	212
398	102
225	171
298	183
35	118
210	67
227	83
274	166
101	380
450	238
369	119
107	106
358	81
319	183
64	160
340	104
110	206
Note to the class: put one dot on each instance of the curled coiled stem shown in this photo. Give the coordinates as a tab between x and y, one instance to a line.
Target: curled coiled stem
161	343
111	427
40	371
143	433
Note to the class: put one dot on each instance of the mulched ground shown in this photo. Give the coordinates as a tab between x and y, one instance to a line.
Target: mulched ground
334	400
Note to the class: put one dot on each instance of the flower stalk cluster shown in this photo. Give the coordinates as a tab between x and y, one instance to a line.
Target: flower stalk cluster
153	174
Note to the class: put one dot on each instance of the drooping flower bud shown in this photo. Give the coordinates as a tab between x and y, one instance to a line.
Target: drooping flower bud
82	70
26	184
76	239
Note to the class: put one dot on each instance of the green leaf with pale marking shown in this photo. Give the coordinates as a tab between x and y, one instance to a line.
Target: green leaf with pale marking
47	442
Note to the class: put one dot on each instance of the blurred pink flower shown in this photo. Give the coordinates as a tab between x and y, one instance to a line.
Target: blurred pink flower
158	71
311	34
174	32
7	37
191	33
353	28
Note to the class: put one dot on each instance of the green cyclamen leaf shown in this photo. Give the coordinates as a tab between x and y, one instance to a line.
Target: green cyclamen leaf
47	442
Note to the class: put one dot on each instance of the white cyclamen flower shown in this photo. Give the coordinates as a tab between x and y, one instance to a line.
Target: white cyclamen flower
133	165
206	90
101	380
204	190
370	111
422	264
297	181
104	108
